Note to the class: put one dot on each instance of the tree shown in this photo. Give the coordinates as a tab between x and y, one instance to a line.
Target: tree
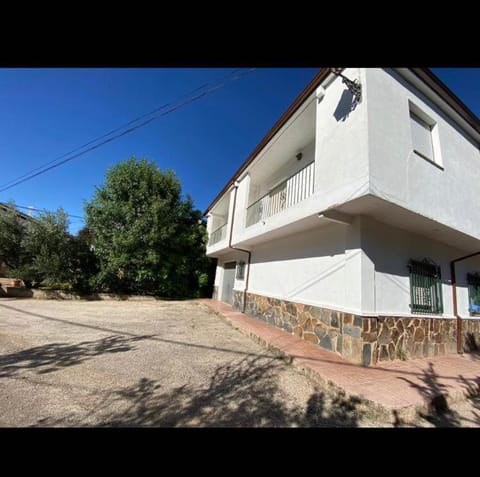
148	238
36	250
47	243
83	262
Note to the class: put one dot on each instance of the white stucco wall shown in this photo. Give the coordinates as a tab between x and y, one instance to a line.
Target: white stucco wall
361	268
449	195
341	149
389	249
314	267
341	162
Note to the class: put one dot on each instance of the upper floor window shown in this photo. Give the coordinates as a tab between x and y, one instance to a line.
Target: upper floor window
473	280
425	287
424	135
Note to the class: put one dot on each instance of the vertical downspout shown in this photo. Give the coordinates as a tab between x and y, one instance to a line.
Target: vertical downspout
454	298
235	185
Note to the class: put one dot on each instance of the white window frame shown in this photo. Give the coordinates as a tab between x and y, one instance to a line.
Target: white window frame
422	117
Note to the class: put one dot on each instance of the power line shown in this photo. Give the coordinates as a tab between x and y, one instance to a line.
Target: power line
114	130
44	210
192	99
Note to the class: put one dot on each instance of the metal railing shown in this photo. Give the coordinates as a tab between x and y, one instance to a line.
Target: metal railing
218	234
296	188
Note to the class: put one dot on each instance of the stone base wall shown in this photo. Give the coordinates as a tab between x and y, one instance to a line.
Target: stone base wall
215	295
363	340
404	338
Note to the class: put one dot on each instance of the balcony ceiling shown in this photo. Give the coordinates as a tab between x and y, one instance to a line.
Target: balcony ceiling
292	138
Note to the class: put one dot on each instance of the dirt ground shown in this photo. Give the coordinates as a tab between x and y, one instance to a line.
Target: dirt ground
161	363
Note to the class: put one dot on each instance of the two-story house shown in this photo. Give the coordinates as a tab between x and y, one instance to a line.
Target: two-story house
345	224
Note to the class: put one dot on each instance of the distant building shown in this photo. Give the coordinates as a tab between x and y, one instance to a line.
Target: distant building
21	216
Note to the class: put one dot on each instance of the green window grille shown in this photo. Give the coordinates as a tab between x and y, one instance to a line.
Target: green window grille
241	271
425	287
473	280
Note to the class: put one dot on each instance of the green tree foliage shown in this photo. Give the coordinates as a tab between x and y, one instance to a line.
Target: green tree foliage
83	262
48	243
148	238
41	251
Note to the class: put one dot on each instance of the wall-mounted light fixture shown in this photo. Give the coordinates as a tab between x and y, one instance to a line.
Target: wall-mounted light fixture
353	86
299	156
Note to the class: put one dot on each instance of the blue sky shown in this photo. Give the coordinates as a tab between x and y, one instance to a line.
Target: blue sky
47	112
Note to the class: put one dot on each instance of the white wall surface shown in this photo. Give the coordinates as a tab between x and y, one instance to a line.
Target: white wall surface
390	249
397	174
311	267
361	268
341	150
341	162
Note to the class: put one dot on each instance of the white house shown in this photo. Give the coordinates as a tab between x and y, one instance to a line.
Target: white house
343	225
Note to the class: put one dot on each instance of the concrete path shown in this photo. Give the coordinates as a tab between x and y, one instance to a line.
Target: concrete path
406	387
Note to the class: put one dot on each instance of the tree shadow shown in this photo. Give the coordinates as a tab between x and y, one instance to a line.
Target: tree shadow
471	346
472	391
244	393
435	395
54	356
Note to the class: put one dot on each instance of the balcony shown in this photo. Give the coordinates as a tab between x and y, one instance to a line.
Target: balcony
217	235
291	191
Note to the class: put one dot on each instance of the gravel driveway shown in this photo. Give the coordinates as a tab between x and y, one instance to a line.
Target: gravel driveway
159	363
155	363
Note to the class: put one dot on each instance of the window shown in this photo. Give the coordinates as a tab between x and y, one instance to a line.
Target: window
473	280
240	270
421	137
425	287
425	138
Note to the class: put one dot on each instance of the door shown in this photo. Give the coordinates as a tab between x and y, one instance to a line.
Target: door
228	281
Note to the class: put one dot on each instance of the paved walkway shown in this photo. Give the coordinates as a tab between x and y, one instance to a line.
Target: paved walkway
404	386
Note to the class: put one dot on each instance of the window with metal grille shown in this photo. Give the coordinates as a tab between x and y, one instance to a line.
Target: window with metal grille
425	287
240	270
473	280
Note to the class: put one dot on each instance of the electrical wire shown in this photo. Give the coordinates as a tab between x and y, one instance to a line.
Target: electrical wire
40	210
114	130
43	169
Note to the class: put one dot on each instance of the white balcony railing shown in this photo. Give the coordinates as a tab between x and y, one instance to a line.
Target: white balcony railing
218	234
291	191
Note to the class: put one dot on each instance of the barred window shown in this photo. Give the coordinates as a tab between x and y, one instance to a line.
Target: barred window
240	270
425	287
473	280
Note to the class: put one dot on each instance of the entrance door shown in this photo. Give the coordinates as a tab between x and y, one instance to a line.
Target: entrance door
228	281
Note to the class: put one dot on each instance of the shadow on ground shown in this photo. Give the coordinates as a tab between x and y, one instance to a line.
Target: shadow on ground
244	393
439	413
54	356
